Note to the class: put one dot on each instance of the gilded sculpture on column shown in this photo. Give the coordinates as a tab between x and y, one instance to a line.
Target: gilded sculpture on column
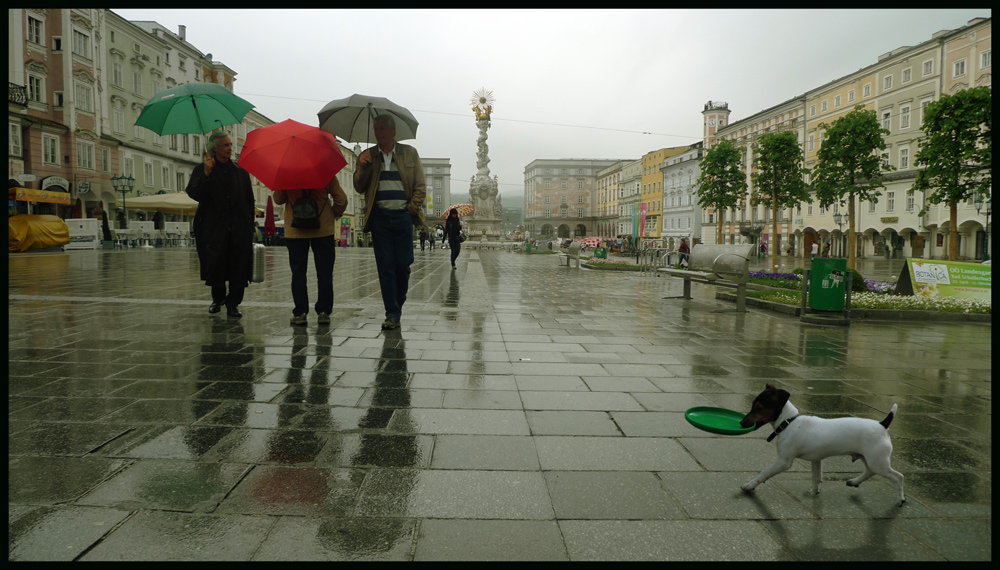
483	190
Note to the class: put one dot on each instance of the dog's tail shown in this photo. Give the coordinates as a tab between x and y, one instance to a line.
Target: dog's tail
888	419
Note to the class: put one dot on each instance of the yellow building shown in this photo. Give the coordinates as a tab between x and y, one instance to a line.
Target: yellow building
832	101
652	188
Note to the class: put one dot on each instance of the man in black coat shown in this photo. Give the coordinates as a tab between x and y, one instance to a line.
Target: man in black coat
224	224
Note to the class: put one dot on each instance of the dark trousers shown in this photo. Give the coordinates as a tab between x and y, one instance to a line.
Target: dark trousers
392	240
233	299
455	247
324	255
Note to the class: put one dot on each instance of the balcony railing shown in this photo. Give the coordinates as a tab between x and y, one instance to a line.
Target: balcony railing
17	94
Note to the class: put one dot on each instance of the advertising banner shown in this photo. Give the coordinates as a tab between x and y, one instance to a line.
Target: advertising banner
938	278
642	218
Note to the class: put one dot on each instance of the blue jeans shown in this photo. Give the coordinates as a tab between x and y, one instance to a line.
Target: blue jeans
324	255
392	240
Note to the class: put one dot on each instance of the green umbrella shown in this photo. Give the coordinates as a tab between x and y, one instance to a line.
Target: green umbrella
192	108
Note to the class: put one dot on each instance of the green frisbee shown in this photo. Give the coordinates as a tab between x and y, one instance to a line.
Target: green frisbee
716	420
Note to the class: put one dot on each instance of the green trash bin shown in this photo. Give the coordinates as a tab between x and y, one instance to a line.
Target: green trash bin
827	284
601	253
527	246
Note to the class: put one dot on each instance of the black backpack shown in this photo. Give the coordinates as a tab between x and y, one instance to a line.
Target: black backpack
305	213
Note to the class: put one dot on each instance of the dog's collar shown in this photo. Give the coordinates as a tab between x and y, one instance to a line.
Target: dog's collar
780	428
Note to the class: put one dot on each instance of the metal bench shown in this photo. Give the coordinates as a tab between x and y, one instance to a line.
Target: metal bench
708	263
573	252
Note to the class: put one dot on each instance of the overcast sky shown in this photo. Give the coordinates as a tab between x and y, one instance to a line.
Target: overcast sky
568	84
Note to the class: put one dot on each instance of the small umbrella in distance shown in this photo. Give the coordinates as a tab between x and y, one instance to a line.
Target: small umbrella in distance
464	209
291	155
269	229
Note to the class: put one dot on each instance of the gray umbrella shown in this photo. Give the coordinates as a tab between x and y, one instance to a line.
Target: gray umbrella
352	119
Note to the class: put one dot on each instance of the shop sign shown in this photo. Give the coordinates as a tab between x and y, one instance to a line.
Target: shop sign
83	188
936	278
890	220
55	181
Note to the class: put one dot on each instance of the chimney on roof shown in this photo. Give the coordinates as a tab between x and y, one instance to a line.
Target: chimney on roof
182	31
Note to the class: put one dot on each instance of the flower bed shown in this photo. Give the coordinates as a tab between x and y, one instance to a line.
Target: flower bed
879	295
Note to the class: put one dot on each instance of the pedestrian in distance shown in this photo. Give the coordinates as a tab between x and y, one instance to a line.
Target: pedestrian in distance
391	178
814	251
224	224
423	237
432	235
323	242
685	252
452	230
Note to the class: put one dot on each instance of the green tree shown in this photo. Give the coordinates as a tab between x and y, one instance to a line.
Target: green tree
722	183
956	153
779	178
850	163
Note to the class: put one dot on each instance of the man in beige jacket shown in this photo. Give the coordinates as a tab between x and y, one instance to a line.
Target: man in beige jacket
392	180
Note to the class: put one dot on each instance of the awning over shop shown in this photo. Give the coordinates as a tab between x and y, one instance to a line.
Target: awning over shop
173	203
33	195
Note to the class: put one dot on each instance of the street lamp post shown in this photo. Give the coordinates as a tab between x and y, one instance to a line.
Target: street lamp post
838	219
979	206
123	184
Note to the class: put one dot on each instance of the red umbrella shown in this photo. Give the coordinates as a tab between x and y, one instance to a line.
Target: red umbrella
290	155
269	219
590	241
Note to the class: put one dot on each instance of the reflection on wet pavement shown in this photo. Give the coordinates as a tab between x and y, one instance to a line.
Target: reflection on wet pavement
523	411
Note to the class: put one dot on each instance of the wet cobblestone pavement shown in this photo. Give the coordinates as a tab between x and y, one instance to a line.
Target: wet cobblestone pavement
524	411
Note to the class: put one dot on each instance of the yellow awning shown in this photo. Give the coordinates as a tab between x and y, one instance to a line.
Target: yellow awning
34	195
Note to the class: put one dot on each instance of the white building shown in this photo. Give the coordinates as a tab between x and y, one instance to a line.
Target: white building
629	189
681	212
437	175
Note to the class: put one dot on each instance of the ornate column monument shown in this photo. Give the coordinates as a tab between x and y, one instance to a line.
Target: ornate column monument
484	223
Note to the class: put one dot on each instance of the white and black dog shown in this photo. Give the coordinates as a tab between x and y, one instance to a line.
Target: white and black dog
814	439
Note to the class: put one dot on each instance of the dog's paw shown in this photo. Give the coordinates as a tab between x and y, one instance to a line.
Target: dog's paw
853	483
814	491
748	487
900	504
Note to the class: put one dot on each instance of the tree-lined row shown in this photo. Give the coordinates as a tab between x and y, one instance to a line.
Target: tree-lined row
954	161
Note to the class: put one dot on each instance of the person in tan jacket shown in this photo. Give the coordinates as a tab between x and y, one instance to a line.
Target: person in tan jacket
322	240
391	178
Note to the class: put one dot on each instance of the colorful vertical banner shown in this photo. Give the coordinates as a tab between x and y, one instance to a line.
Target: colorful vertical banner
642	218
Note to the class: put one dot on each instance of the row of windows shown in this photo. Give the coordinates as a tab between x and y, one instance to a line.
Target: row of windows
580	213
562	184
581	199
958	69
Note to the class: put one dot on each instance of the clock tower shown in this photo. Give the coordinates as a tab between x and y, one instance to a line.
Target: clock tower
716	116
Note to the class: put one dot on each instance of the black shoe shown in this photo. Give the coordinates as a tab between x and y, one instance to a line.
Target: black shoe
390	323
214	308
234	312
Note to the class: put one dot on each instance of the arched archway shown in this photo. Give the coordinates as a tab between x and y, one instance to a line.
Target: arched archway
563	231
580	230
